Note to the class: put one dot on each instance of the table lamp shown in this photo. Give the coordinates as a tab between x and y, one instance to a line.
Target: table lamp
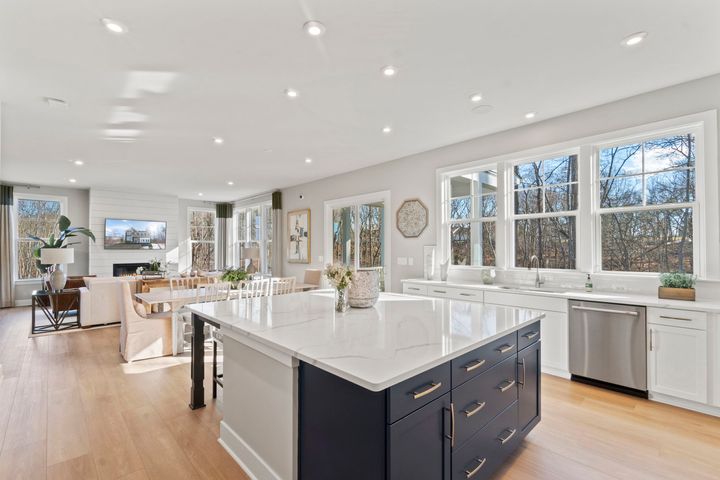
252	254
57	257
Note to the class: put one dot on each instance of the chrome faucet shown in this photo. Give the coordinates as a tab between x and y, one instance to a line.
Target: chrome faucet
538	281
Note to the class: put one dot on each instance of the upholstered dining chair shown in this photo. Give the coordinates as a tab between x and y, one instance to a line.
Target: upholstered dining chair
282	285
312	277
141	335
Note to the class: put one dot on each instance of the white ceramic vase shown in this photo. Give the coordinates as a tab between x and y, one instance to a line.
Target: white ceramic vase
365	288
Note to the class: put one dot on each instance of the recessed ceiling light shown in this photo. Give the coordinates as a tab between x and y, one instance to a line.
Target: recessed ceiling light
483	109
387	129
314	28
389	71
231	183
72	180
200	194
218	140
476	97
530	115
291	93
78	162
308	160
114	26
634	39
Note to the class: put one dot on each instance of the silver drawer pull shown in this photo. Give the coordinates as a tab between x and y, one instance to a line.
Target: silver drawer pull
430	388
510	384
479	406
676	318
467	294
531	335
605	310
504	440
505	348
439	291
471	473
413	288
474	365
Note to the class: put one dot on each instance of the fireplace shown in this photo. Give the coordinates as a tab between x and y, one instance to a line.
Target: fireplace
125	269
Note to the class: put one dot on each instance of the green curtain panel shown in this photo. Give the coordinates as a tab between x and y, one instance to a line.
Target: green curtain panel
7	252
277	235
223	214
224	210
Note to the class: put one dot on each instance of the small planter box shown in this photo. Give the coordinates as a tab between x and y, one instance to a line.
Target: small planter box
676	293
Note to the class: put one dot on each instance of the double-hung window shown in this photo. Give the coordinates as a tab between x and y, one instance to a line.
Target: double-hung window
647	204
202	238
545	203
37	216
254	229
471	211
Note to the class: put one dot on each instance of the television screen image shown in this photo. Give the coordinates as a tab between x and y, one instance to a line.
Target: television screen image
123	234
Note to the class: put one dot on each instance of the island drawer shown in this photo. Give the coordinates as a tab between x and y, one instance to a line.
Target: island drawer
479	400
408	396
482	455
481	359
528	335
414	289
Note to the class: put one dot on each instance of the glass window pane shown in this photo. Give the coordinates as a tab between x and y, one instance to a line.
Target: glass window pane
371	235
242	226
344	236
203	256
561	198
648	241
676	186
621	160
460	208
460	244
528	201
670	152
488	244
488	205
462	186
37	217
621	192
255	224
552	239
528	175
560	170
26	264
487	182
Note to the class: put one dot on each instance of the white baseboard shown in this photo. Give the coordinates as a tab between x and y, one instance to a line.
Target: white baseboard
556	372
253	465
23	303
686	404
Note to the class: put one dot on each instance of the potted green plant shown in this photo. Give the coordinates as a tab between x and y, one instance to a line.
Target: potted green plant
677	286
234	276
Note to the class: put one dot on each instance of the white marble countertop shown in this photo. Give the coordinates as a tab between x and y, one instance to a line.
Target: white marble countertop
559	292
401	336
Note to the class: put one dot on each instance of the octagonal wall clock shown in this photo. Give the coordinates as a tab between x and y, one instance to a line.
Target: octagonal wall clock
412	218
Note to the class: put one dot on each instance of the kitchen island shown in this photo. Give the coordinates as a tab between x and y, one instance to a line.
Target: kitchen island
412	388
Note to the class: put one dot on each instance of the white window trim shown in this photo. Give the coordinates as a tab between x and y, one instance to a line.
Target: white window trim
191	241
263	237
382	196
706	229
31	196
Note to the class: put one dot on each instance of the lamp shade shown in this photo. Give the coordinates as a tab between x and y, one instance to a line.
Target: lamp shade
57	256
250	253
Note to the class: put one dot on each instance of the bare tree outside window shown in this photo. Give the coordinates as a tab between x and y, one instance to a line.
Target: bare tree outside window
647	199
202	239
38	218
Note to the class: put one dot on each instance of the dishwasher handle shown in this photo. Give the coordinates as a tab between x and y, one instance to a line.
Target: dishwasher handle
605	310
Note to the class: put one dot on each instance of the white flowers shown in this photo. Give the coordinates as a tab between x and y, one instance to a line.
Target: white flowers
339	276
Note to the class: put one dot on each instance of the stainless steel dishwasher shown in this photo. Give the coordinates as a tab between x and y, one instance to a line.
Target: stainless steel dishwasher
608	345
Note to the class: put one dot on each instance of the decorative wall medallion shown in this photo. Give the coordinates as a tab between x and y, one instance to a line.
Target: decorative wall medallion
412	218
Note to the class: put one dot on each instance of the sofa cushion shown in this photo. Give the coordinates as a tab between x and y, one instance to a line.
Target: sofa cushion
140	309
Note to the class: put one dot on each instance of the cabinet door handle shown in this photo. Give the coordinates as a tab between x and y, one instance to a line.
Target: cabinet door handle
504	440
505	348
430	388
676	318
467	294
471	473
651	339
439	291
452	425
479	406
522	384
531	335
413	288
606	310
474	365
510	384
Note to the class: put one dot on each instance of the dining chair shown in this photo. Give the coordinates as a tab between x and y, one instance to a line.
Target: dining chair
283	285
256	288
312	277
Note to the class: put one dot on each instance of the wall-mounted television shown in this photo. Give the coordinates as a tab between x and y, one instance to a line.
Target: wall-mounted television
124	234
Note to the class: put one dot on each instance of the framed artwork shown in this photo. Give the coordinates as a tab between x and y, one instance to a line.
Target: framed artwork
298	227
412	218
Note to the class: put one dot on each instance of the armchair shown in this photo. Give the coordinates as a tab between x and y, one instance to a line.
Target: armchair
142	336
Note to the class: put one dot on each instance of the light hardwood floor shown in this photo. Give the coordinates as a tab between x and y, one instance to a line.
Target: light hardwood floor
70	409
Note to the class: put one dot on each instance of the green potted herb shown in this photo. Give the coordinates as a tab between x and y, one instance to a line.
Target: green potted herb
234	276
677	286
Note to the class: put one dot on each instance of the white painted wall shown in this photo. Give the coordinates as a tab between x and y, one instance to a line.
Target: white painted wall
414	176
137	206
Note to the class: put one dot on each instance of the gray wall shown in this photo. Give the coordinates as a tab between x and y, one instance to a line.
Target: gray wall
414	176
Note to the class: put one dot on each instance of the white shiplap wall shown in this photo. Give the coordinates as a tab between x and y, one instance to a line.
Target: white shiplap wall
137	206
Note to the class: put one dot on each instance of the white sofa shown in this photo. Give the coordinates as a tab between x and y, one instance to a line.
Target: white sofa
100	300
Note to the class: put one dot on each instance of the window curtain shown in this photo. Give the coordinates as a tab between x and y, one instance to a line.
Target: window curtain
277	235
7	250
223	240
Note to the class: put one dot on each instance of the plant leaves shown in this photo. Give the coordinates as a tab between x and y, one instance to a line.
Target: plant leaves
63	223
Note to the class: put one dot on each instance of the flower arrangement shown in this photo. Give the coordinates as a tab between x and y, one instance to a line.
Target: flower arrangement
234	276
155	266
339	276
677	280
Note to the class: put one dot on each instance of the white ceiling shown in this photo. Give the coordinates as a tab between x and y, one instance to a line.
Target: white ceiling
187	71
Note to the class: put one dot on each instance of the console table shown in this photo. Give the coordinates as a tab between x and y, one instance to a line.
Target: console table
58	307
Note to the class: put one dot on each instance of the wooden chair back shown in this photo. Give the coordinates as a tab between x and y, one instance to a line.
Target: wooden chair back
214	292
283	285
256	288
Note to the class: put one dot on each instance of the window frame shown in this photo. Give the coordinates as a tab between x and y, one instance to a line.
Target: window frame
706	213
191	241
265	209
16	237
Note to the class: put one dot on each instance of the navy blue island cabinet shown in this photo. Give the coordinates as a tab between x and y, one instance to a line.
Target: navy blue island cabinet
457	421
